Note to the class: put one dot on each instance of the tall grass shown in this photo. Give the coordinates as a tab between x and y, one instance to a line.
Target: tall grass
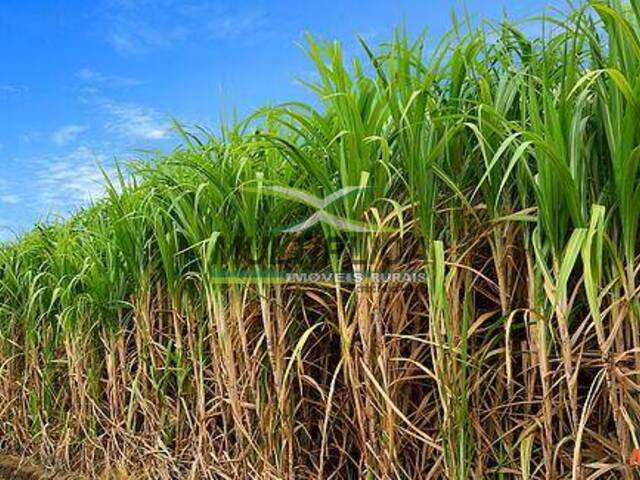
504	166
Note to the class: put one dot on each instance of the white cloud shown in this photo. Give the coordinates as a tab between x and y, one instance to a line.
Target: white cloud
8	90
66	181
134	121
7	196
95	77
30	137
67	134
126	43
139	27
224	25
132	36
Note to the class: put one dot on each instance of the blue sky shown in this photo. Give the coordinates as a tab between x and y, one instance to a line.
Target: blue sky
84	82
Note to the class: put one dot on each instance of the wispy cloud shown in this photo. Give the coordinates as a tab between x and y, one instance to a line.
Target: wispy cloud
220	24
139	27
134	37
7	196
94	77
30	137
133	121
67	134
66	181
9	90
